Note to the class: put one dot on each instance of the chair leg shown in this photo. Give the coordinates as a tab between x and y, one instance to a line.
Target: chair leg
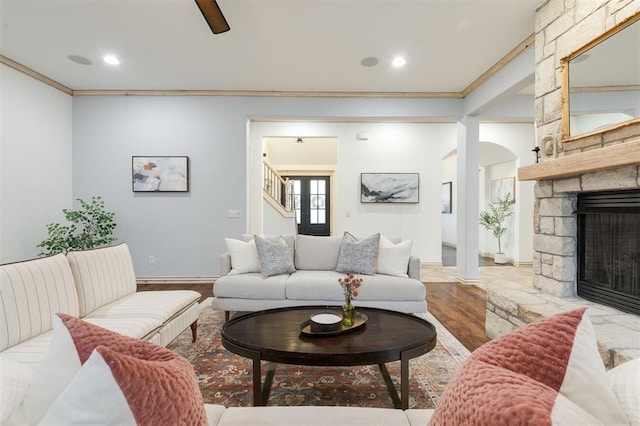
226	316
194	330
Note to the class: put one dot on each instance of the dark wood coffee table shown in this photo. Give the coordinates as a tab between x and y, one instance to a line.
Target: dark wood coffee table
274	335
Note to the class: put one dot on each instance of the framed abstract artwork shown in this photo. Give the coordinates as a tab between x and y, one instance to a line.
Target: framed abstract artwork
389	187
502	187
446	198
160	174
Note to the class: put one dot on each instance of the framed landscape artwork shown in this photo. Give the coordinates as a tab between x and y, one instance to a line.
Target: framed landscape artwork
160	174
446	198
502	187
389	187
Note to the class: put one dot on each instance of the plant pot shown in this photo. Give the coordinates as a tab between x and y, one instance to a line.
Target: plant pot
500	258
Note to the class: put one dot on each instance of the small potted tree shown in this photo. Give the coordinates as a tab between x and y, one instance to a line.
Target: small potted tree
89	227
493	220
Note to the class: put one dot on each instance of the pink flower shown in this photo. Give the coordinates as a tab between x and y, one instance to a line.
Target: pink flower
350	286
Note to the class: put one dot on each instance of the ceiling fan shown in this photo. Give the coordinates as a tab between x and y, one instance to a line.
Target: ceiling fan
213	15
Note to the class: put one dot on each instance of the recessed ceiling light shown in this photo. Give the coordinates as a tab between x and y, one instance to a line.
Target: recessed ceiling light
370	61
111	60
399	61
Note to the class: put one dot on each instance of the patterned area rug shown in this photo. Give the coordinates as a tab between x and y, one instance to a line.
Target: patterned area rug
225	378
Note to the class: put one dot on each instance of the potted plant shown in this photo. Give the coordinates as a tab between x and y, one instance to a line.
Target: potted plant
90	227
493	220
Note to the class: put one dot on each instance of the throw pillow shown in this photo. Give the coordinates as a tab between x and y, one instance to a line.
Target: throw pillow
244	256
288	238
72	344
393	259
151	385
625	382
275	256
559	353
358	256
483	394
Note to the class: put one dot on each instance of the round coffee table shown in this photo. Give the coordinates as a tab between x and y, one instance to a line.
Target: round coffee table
274	335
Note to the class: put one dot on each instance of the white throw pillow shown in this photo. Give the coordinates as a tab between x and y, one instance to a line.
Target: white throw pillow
625	382
14	381
149	385
244	256
393	259
60	364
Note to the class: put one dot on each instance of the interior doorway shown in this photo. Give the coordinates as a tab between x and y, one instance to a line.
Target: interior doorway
310	162
312	204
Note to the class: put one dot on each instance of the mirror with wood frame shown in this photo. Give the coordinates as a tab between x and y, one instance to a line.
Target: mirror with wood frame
601	83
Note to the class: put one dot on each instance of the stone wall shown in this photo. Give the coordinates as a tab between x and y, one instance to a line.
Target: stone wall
562	27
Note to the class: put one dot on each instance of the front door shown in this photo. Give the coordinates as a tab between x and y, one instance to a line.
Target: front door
312	204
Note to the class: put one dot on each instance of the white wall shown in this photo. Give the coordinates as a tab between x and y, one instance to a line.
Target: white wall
185	231
488	243
392	147
35	162
519	139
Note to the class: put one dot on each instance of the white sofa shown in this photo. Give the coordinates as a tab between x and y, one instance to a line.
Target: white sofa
315	282
98	286
316	416
550	369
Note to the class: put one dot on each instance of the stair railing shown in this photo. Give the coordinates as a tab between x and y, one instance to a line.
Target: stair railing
279	189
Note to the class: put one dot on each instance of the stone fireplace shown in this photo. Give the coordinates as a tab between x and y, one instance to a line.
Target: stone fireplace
598	162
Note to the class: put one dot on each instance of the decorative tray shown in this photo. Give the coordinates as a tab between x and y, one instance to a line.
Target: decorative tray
359	320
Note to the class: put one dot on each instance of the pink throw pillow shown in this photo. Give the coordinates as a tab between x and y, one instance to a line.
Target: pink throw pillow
537	374
125	380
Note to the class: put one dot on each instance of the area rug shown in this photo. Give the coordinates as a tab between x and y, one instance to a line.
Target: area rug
226	378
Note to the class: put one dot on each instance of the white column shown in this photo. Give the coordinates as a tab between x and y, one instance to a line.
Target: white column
467	199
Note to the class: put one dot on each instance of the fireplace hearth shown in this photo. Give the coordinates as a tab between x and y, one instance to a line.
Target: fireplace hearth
609	249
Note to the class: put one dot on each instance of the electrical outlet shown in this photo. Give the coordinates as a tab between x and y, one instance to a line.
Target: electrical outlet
152	260
234	213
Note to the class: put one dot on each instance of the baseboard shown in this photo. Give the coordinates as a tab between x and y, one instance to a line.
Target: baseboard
467	281
430	264
175	280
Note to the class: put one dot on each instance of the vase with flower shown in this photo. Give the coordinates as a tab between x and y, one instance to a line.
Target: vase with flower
350	285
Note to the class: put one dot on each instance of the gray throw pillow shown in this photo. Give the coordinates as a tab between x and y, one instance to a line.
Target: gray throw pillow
358	256
275	256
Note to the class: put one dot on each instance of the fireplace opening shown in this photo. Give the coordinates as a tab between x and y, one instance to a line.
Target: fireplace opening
609	249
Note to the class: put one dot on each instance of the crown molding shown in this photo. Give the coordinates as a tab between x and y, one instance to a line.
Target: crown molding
524	44
34	74
268	93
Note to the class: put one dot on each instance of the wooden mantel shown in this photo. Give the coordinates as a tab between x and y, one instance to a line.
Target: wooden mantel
624	154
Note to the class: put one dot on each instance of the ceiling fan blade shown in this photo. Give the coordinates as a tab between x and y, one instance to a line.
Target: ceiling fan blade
213	15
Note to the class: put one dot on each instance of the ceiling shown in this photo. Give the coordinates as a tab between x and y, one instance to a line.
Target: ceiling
273	45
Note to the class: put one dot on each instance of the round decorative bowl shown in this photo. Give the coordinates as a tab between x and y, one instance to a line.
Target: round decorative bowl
323	322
